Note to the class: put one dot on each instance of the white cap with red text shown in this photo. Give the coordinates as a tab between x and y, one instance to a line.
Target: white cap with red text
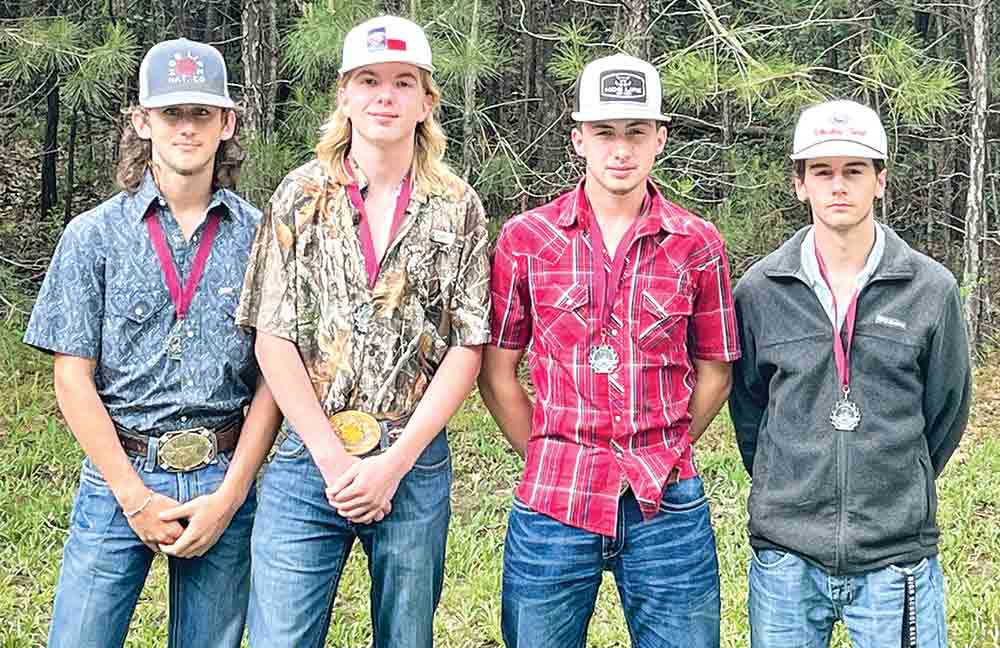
386	39
839	129
618	87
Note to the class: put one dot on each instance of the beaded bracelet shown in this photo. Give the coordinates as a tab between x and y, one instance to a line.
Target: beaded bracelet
128	514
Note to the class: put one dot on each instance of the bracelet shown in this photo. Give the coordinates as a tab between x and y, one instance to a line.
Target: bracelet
128	514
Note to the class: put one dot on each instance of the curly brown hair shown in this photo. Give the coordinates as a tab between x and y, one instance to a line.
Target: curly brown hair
134	154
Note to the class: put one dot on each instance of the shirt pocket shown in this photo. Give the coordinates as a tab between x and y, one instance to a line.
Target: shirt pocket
560	318
662	318
221	332
138	325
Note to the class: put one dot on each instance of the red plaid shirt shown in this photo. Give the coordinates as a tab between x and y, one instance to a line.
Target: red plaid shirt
591	431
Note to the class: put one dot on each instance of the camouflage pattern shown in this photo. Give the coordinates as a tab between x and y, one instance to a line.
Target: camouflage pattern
306	282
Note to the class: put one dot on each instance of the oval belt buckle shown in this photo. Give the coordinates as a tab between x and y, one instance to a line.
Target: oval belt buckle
358	431
185	450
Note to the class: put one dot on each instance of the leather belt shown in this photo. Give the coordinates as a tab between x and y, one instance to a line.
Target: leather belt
364	435
184	450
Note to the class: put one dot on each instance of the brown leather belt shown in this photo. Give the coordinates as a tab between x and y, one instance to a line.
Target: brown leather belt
187	449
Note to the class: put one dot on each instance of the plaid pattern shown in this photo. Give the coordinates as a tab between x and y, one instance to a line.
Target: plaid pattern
592	431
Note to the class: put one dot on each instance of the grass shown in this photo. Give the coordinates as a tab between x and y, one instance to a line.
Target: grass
39	463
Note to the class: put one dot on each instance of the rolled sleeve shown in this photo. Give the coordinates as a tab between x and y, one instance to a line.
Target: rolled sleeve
712	329
268	298
470	303
510	300
69	310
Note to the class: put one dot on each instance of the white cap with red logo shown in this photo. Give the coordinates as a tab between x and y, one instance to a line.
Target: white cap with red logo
839	129
386	39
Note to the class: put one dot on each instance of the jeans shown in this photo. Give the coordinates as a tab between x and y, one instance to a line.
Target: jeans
794	604
666	570
300	545
105	566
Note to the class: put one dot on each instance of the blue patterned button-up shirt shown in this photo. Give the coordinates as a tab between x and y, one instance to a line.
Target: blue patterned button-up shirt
105	298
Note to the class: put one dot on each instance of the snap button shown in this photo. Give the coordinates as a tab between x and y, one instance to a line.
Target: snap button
138	310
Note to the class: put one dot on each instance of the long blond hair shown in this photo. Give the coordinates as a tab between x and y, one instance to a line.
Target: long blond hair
432	175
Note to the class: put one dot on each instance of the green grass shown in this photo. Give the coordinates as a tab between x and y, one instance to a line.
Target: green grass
39	461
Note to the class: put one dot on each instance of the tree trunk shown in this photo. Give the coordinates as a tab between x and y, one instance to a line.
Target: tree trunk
50	146
259	65
631	28
469	94
975	213
70	169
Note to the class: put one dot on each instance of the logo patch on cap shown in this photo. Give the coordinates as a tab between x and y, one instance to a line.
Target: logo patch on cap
186	68
379	41
623	85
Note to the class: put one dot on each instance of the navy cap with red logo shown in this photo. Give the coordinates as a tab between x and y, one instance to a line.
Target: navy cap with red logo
183	71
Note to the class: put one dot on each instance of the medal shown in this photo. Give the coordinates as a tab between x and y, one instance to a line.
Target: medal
175	342
845	416
603	359
180	296
362	317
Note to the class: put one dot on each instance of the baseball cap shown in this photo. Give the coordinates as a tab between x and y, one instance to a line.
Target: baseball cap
618	87
183	71
839	129
386	39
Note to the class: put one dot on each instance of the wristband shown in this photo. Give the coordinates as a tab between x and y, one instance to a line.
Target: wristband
128	514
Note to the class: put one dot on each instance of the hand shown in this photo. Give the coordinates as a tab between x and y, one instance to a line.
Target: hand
363	494
207	517
150	528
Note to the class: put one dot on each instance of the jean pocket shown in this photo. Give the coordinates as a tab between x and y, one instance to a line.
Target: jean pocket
912	568
770	558
291	447
684	496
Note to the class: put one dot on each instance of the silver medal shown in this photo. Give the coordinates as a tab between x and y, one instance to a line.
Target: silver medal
363	314
175	342
603	359
845	415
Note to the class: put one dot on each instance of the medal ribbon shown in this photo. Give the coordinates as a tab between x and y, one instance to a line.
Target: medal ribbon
181	296
841	354
372	262
605	287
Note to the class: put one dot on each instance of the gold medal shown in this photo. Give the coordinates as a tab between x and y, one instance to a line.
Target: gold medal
358	431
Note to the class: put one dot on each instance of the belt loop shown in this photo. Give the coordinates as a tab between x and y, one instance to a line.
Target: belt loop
383	441
151	447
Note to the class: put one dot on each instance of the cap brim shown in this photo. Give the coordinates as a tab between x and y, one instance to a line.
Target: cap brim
838	148
606	115
388	56
178	98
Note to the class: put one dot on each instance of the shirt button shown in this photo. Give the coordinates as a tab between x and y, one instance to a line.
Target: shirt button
190	334
184	419
618	419
613	332
163	203
190	383
138	310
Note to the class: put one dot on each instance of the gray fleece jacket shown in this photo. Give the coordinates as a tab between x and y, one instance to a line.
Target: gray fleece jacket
852	501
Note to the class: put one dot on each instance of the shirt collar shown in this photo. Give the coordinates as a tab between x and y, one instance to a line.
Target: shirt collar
660	215
148	193
810	266
417	196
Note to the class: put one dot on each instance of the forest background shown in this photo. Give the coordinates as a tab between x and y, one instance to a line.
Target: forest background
735	75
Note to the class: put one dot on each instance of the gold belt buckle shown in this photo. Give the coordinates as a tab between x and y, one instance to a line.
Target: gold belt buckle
184	450
358	431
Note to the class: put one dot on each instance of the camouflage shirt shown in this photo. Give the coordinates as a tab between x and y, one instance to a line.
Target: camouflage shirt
373	350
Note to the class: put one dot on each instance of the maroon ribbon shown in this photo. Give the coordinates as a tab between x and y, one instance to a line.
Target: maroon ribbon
372	261
605	286
181	296
841	354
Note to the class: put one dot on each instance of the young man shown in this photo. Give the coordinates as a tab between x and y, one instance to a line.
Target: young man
852	394
151	373
625	300
368	289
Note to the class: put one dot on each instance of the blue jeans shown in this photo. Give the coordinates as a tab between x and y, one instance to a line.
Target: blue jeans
794	604
300	545
666	570
105	566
